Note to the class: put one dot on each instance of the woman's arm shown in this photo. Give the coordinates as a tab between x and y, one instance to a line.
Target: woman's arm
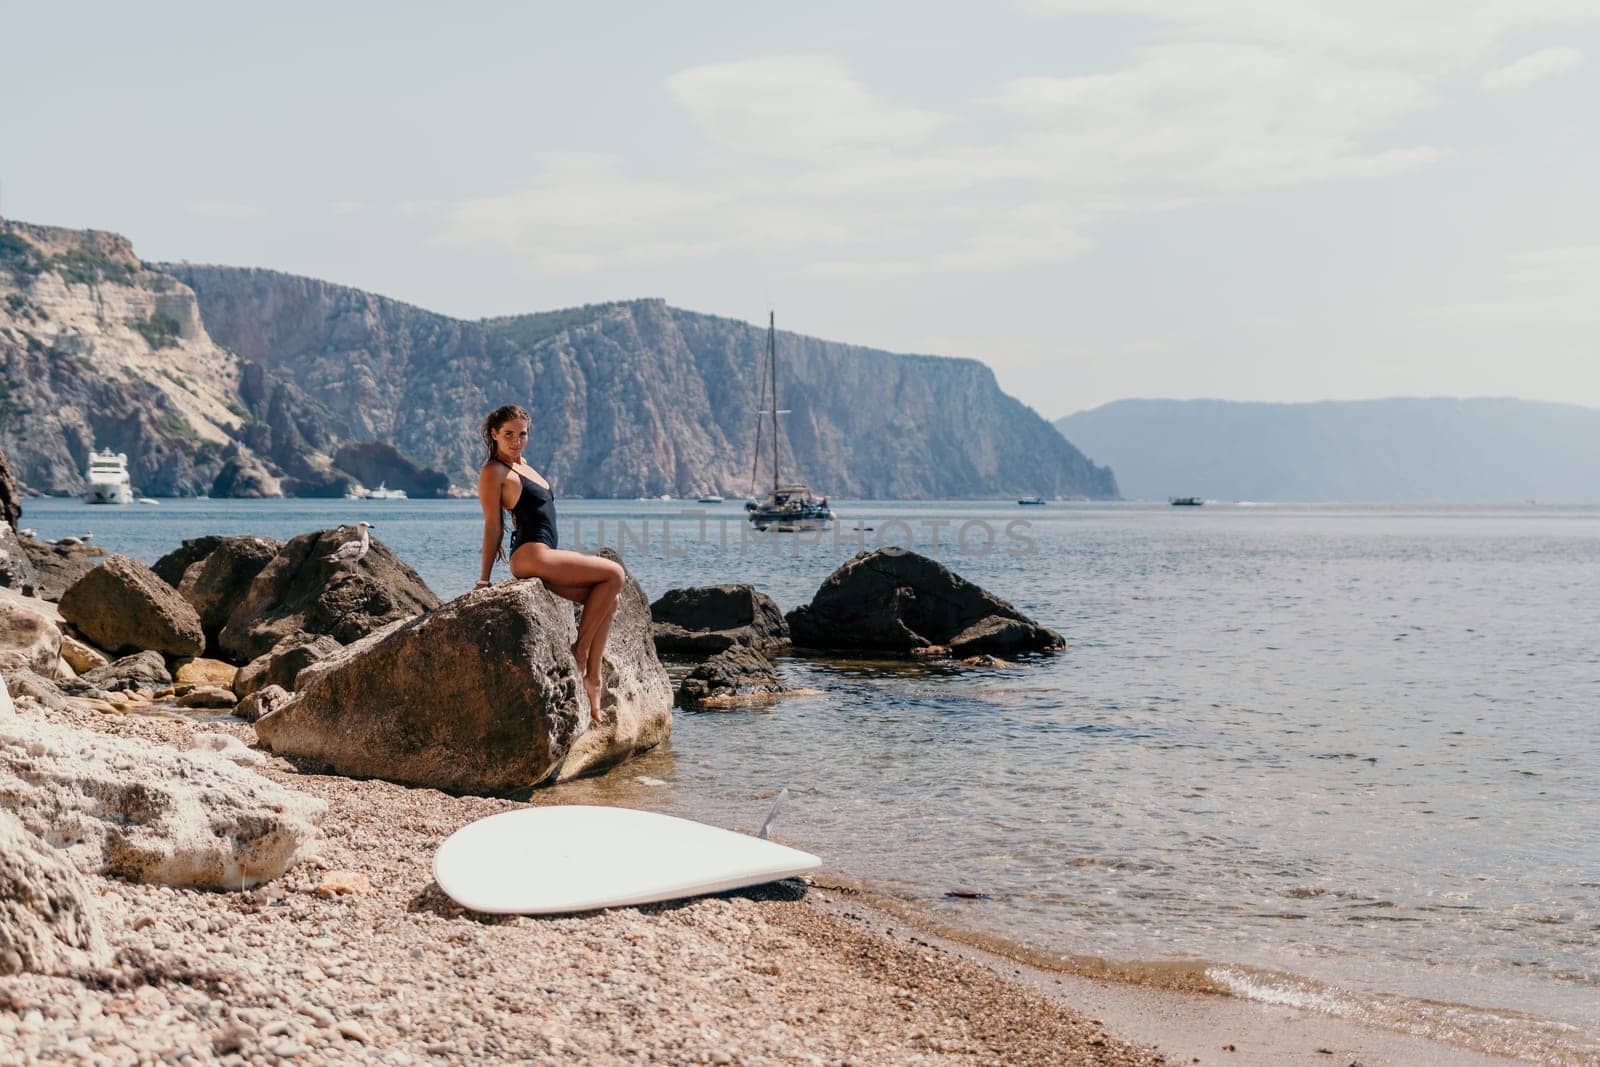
489	483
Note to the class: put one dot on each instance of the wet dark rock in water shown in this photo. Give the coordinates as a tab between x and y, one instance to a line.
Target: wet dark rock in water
303	590
735	672
124	606
479	696
706	619
900	602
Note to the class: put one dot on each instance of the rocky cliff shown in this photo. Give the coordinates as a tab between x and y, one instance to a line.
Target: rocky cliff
246	382
640	398
98	350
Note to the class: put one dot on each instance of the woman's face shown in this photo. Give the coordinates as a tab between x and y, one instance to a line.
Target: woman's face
511	438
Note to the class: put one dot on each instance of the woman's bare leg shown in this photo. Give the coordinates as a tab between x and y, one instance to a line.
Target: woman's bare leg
599	581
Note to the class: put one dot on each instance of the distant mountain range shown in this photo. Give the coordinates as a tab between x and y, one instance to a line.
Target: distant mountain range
237	381
1401	450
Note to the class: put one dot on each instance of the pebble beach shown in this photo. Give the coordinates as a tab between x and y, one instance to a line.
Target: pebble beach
355	956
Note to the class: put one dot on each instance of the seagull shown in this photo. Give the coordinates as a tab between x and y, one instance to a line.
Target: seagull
353	552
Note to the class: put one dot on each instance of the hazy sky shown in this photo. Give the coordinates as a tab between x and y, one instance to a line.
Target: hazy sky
1249	199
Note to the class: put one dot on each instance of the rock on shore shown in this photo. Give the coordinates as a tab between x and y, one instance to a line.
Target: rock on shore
304	590
48	921
124	606
479	696
125	807
898	601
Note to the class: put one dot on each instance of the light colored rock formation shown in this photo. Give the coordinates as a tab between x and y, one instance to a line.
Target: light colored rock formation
303	590
48	923
124	606
29	638
81	655
206	696
200	671
137	810
479	696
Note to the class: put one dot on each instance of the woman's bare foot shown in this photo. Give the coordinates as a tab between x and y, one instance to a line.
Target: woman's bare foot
591	689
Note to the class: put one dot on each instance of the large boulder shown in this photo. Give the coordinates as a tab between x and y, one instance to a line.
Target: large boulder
123	606
479	696
304	590
48	921
731	676
30	638
703	620
142	811
898	601
57	565
283	664
216	584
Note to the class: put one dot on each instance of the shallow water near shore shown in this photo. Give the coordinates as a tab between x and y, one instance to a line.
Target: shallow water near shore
1346	757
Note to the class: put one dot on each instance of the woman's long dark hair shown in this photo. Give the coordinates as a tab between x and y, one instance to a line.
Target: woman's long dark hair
498	418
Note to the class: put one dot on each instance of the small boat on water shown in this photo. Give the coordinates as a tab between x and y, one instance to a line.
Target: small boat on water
1186	501
787	508
108	479
383	492
1032	502
712	499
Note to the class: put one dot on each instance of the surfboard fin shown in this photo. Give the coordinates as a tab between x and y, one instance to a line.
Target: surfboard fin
783	794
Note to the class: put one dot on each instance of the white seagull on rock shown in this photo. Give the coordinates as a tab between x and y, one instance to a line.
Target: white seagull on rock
354	552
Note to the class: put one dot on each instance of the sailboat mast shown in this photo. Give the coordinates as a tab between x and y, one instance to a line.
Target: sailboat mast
772	364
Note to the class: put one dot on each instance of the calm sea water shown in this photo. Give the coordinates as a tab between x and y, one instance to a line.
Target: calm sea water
1344	757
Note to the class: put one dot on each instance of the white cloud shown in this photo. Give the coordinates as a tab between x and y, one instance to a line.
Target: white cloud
794	107
1213	116
1546	287
1532	68
223	209
1220	98
349	207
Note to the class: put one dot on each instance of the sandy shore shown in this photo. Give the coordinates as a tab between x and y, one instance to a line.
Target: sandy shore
355	956
395	973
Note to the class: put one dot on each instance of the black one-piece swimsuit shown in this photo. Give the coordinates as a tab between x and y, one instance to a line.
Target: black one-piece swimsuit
534	516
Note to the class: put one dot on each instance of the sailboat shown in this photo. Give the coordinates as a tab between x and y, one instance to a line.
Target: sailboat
790	506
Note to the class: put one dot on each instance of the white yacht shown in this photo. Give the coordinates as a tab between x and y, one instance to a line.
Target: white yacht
383	492
108	479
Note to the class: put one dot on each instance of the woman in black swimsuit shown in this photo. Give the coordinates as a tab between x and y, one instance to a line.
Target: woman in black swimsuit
508	483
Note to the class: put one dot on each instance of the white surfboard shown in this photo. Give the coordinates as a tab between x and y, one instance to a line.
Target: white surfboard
578	857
